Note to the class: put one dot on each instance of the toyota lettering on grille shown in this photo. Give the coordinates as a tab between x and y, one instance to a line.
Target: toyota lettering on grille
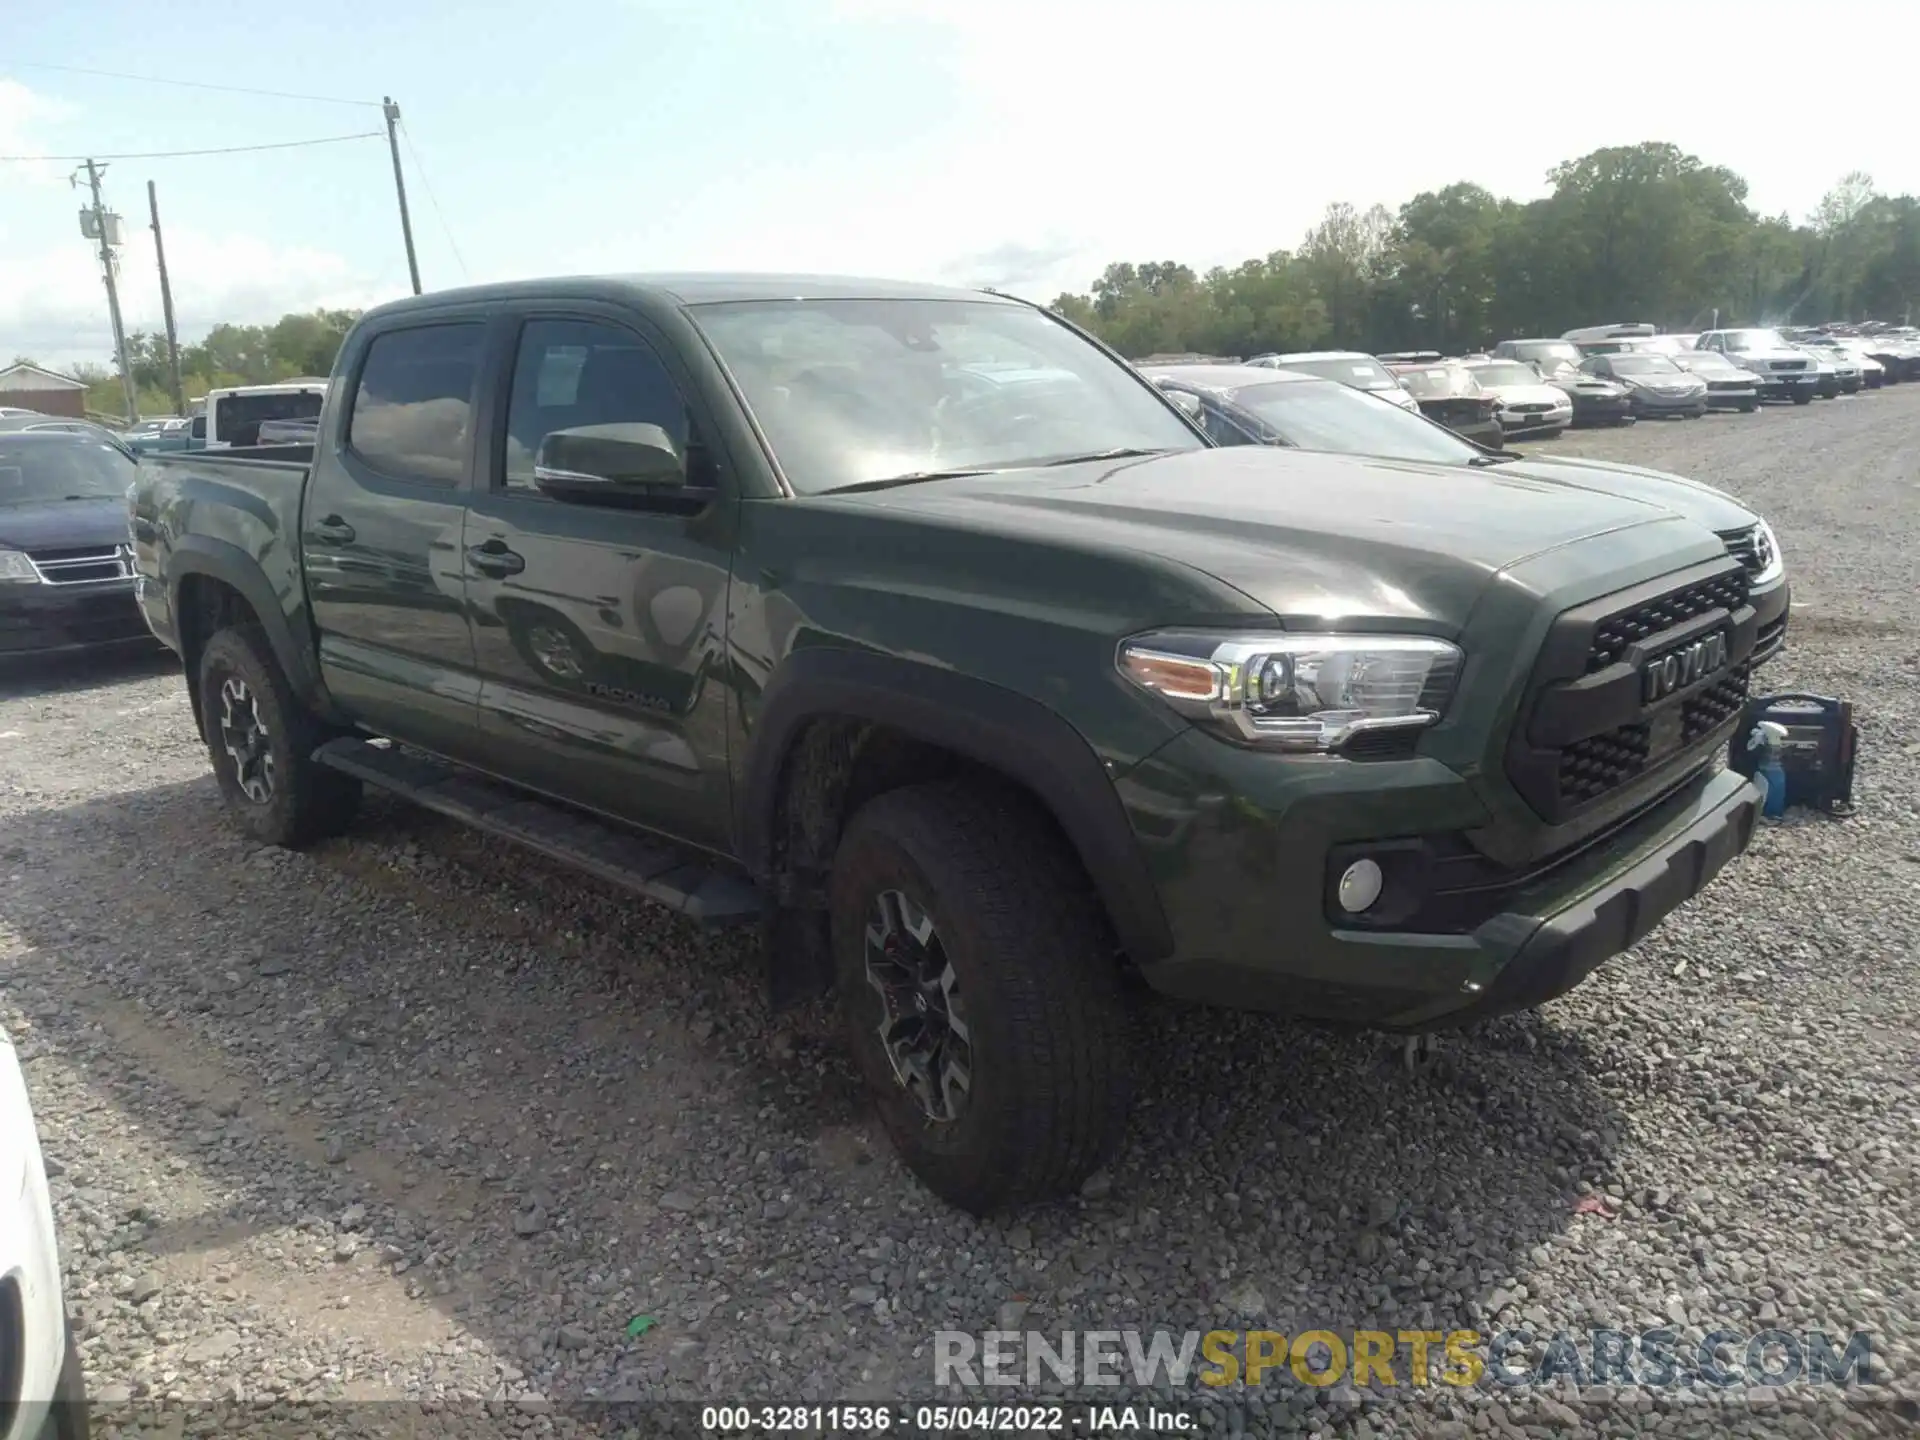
1677	669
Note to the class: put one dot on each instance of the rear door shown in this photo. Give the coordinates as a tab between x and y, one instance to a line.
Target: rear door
380	531
598	632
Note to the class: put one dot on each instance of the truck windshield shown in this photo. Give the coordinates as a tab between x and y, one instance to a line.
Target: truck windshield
1318	416
851	392
43	471
236	418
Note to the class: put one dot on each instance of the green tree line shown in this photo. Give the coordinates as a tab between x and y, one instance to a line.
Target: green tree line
296	344
1630	233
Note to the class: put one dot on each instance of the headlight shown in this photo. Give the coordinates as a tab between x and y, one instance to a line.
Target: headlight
16	566
1772	563
1295	692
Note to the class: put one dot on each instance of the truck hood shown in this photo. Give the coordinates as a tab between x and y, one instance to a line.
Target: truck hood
1309	536
63	524
1701	504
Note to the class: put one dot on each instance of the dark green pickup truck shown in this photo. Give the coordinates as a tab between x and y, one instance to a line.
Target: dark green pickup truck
918	628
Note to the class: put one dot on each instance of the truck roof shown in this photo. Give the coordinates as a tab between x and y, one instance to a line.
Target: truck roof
676	288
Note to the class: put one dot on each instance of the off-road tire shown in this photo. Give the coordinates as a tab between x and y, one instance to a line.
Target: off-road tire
307	802
68	1413
1025	935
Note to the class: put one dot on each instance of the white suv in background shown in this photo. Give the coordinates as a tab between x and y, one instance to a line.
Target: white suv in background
1786	373
42	1394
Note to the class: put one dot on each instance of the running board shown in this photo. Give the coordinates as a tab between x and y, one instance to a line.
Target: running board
682	880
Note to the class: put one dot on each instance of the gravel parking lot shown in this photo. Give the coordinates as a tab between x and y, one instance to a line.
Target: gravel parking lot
414	1116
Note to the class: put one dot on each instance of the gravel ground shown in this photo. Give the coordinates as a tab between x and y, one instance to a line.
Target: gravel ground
417	1117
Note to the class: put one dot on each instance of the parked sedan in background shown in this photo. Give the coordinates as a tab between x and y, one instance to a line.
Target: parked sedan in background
1729	387
1840	373
1244	406
1447	392
1785	373
1548	355
66	575
1658	386
1525	404
1349	367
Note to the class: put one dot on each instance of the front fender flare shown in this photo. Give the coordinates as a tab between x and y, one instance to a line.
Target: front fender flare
994	727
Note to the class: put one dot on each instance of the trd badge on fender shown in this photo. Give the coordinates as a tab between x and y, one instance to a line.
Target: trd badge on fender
1678	669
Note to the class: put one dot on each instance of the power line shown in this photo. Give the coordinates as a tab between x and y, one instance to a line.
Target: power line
434	200
177	154
190	84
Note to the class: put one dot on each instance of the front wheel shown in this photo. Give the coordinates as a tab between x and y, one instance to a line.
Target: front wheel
261	740
1747	407
980	993
1803	397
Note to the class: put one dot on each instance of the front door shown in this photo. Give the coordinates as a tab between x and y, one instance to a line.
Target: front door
380	536
598	632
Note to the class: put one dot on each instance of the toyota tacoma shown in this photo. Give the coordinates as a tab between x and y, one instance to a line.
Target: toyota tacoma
917	628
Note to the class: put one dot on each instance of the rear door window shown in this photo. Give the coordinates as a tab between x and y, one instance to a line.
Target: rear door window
412	411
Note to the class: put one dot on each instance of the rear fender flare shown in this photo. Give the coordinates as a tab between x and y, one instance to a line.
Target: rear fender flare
226	562
991	726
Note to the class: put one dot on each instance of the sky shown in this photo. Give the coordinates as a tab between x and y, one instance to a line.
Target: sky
1017	143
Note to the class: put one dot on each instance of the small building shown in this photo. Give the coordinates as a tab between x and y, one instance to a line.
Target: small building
28	387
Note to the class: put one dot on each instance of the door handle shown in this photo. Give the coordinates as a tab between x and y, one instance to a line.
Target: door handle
333	531
493	558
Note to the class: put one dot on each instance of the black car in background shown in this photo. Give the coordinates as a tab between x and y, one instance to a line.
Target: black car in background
1728	386
66	568
1447	392
61	425
1658	386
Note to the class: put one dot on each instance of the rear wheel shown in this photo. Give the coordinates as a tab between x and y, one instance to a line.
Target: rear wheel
980	994
261	740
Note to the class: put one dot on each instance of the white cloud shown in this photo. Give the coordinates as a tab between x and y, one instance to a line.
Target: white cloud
53	305
24	118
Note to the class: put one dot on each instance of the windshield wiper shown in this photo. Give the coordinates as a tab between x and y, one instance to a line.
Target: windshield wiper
1124	452
1492	457
912	477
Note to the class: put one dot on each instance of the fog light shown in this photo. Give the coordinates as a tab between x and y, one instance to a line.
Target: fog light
1359	886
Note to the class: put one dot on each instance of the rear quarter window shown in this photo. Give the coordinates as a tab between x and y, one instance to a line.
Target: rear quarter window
412	413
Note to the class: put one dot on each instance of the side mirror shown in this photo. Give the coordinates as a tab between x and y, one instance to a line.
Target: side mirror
609	464
1187	402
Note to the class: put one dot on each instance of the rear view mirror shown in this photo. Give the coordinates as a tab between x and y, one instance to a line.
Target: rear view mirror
609	464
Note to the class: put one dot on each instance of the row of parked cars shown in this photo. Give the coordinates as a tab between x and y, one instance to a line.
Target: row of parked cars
1616	374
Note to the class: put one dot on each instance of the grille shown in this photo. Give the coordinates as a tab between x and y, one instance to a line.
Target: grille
1719	702
1617	632
1750	547
1789	364
1590	768
83	566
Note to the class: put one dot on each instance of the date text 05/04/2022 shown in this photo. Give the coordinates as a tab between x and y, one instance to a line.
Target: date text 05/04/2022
947	1419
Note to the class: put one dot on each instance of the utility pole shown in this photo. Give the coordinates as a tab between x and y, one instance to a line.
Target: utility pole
166	306
104	230
392	112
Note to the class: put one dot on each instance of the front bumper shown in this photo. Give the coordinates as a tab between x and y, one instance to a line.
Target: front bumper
1734	399
1602	408
1648	402
1536	421
45	620
1785	387
1242	845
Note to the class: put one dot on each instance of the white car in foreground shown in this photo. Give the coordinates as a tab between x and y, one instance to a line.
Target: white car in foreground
42	1393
